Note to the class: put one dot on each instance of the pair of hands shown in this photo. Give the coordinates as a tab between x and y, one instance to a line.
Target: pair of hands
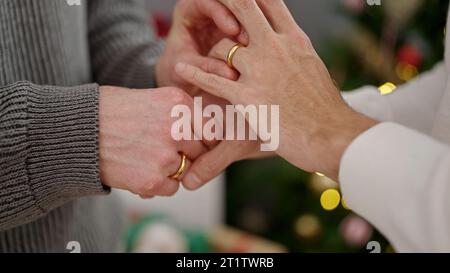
278	66
137	151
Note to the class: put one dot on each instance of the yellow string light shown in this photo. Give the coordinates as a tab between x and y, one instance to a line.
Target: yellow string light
387	88
330	199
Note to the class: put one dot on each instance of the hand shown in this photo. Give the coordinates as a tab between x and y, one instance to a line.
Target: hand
137	151
197	26
221	154
280	67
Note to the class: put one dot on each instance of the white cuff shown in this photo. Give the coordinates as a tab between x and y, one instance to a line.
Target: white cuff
385	177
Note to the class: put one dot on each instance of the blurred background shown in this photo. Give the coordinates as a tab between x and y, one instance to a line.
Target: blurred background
268	205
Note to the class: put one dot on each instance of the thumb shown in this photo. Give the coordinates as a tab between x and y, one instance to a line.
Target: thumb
211	164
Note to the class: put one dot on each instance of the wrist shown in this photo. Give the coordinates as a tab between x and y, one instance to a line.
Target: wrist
336	136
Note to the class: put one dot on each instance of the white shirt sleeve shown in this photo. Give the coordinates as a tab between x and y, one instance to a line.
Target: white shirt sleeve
399	180
413	104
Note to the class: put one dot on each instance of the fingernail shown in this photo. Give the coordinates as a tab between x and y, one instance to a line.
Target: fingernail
192	180
180	67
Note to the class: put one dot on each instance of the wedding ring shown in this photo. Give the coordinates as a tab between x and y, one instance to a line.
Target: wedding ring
230	56
181	169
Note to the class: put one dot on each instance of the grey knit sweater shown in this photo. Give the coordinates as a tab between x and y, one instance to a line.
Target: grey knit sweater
50	55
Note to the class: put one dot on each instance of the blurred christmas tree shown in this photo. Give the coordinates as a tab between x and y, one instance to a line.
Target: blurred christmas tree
391	44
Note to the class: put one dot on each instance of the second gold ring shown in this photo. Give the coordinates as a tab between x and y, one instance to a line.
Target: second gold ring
231	54
181	169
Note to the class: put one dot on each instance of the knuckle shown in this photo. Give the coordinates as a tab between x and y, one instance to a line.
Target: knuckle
178	96
150	188
206	65
197	76
275	44
146	188
168	159
303	40
242	5
212	80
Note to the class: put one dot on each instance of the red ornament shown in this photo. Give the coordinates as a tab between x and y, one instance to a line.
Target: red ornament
162	23
411	55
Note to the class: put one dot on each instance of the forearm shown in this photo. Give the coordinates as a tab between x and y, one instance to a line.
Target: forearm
330	141
48	149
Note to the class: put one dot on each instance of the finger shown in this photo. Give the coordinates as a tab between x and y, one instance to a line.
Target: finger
278	15
218	67
211	65
250	16
208	166
173	168
216	11
213	84
243	37
207	142
211	164
167	187
192	148
222	48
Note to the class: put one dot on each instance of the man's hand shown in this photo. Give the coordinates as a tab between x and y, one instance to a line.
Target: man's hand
197	26
137	151
280	67
222	154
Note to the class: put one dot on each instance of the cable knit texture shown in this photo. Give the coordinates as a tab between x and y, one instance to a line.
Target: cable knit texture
50	53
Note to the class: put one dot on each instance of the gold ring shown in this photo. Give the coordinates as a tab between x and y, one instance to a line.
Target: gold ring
181	169
230	56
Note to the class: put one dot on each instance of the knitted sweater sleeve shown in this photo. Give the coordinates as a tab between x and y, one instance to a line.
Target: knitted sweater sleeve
48	149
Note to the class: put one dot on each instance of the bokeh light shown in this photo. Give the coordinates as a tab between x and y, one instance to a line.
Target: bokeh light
387	88
330	199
